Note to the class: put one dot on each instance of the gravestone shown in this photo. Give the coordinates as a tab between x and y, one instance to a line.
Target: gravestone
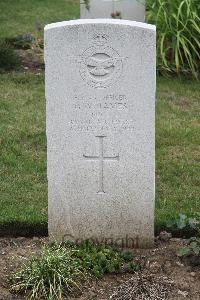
124	9
100	93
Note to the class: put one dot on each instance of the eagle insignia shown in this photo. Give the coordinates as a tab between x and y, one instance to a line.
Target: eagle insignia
101	66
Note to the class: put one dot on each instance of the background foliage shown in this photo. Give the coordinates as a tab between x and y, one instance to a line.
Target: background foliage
8	57
178	31
177	21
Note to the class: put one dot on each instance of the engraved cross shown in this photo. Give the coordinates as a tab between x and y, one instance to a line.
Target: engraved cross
101	158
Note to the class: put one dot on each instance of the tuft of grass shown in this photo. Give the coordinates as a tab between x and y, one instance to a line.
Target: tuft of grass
52	275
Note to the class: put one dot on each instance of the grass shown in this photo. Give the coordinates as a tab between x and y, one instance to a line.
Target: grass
177	144
52	275
23	16
23	183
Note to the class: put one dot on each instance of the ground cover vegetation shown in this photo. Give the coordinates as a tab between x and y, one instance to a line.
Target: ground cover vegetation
64	271
64	268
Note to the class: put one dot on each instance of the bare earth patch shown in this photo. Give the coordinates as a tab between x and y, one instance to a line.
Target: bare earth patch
163	275
31	60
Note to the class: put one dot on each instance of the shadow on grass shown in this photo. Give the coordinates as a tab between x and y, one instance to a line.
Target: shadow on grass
16	229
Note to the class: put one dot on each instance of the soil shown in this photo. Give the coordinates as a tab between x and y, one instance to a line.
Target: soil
162	276
31	60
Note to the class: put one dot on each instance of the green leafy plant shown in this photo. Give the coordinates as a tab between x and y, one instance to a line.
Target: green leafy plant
178	30
191	250
99	258
186	223
133	267
9	60
128	255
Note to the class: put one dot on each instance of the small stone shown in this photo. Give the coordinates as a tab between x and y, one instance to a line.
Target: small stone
175	240
167	267
165	236
183	284
178	263
183	293
193	274
153	252
155	267
20	239
35	239
92	293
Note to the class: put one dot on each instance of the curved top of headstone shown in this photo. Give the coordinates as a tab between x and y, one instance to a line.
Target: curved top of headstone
100	21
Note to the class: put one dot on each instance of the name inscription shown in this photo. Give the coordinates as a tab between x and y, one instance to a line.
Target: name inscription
94	114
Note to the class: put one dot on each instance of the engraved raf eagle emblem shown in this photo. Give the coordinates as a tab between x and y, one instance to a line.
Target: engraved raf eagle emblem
100	66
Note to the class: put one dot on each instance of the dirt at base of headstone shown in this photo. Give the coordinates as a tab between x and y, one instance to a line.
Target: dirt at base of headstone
163	275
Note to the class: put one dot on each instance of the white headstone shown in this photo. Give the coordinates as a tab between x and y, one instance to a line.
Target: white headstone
128	9
100	93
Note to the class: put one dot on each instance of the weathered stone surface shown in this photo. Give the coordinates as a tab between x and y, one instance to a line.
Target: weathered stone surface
100	93
128	9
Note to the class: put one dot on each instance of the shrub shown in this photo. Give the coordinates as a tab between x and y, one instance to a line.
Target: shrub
178	29
9	60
